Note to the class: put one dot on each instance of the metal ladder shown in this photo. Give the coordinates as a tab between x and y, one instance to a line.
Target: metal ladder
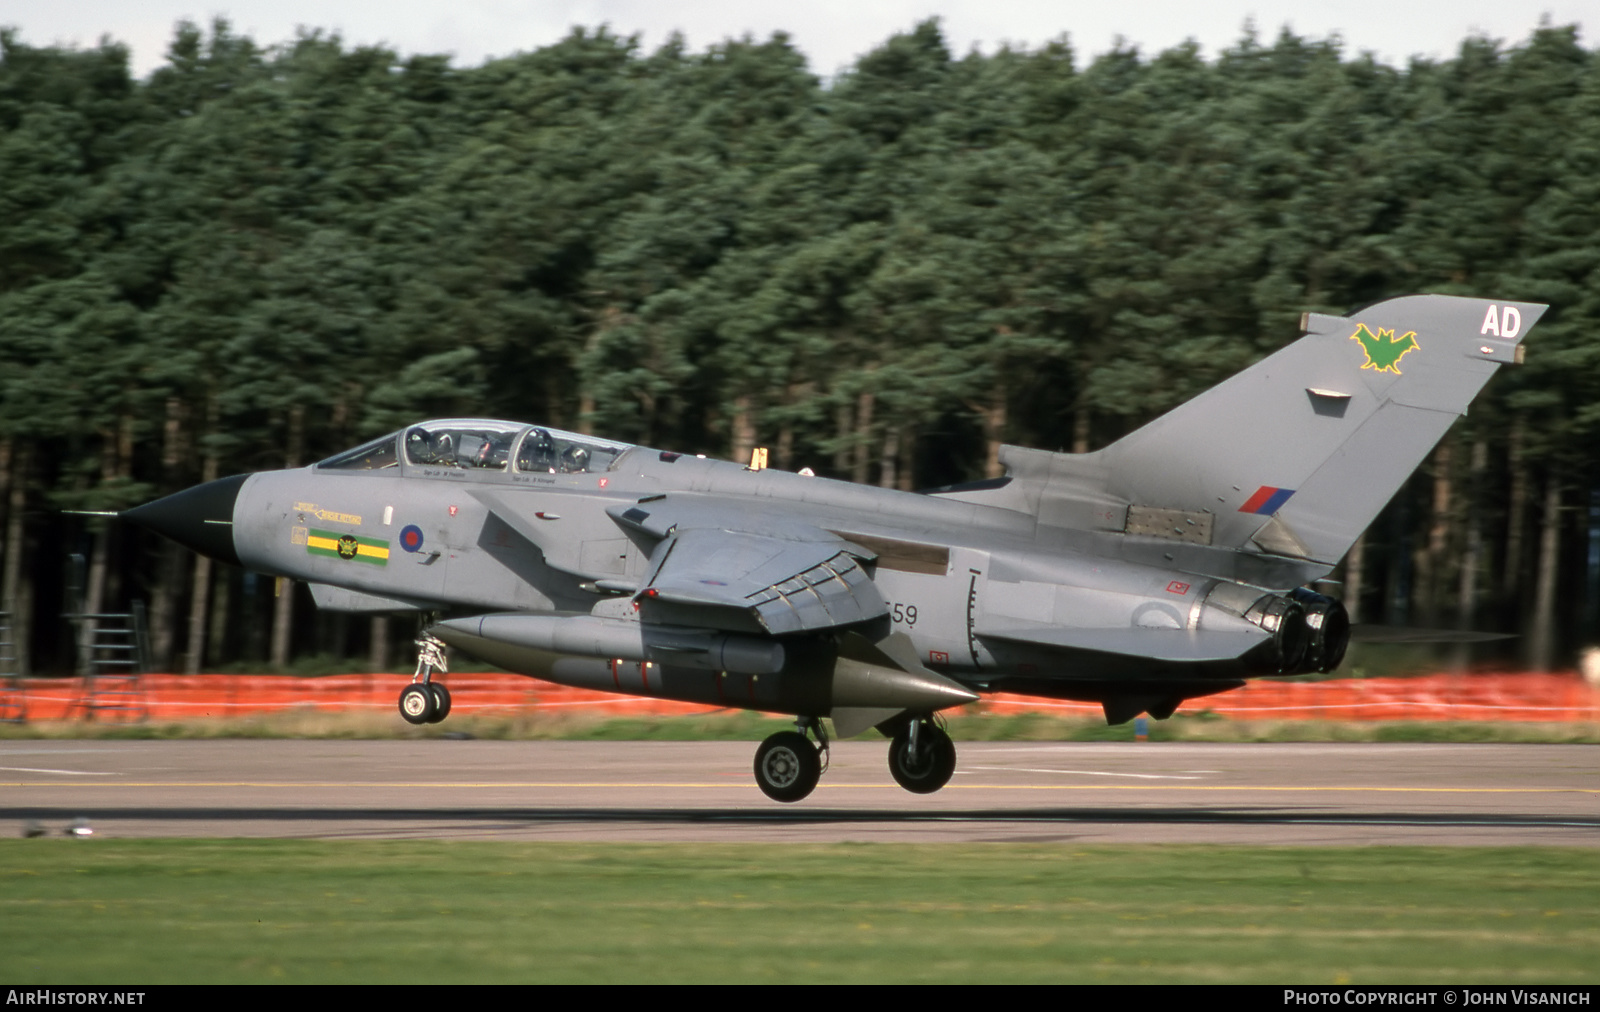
115	652
13	694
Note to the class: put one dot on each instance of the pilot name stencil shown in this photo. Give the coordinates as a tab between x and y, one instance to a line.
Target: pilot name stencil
306	509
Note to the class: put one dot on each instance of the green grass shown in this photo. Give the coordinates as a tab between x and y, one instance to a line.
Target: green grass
91	911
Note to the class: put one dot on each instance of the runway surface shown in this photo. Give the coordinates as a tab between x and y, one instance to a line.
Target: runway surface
1019	792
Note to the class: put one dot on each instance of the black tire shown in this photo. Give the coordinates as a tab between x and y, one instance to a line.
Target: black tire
935	765
787	766
441	702
416	703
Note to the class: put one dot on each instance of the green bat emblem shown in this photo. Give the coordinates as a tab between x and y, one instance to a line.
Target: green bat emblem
1384	350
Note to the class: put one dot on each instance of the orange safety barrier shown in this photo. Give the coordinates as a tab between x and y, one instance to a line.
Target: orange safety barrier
1475	697
178	697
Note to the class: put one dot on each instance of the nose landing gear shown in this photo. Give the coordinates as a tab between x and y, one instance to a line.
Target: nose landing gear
426	701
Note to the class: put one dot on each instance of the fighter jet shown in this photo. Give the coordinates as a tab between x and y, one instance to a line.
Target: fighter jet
1173	564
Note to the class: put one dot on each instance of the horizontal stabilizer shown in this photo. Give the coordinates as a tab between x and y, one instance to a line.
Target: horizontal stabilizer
1190	645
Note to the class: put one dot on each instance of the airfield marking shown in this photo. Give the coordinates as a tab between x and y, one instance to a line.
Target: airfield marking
61	751
65	773
438	785
1080	773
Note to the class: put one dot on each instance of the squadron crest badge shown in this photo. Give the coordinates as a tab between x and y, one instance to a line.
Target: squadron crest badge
1384	351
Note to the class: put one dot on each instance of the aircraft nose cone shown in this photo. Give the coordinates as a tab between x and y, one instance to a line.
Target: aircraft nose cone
200	518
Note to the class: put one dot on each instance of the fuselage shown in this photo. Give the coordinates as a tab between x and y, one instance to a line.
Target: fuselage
981	591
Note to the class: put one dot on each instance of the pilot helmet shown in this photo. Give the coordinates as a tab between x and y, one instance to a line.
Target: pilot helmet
419	444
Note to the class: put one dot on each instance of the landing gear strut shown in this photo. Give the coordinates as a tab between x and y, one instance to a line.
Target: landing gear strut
922	758
426	701
788	765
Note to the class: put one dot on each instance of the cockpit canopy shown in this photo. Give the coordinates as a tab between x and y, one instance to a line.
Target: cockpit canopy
483	444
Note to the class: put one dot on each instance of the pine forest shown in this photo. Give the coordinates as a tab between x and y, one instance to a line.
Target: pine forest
260	255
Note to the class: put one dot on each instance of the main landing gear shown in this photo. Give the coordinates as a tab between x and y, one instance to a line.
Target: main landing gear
427	701
922	758
788	765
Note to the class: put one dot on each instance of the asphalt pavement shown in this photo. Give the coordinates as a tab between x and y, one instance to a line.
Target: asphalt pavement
1149	792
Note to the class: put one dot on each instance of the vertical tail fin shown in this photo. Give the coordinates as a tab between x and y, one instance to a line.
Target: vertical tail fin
1297	454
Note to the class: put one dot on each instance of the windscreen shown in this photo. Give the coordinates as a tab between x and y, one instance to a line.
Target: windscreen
373	456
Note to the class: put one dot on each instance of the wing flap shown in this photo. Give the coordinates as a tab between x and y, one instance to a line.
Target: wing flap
785	585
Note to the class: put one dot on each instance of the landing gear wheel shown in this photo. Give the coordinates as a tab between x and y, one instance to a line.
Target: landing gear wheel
787	766
934	765
441	702
416	703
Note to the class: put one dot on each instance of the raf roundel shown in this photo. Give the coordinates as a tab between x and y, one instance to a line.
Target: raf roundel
411	538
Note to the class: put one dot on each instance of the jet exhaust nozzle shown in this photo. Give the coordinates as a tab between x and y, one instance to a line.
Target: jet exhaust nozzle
1285	619
1328	628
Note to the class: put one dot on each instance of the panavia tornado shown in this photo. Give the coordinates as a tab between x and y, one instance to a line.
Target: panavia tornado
1172	564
